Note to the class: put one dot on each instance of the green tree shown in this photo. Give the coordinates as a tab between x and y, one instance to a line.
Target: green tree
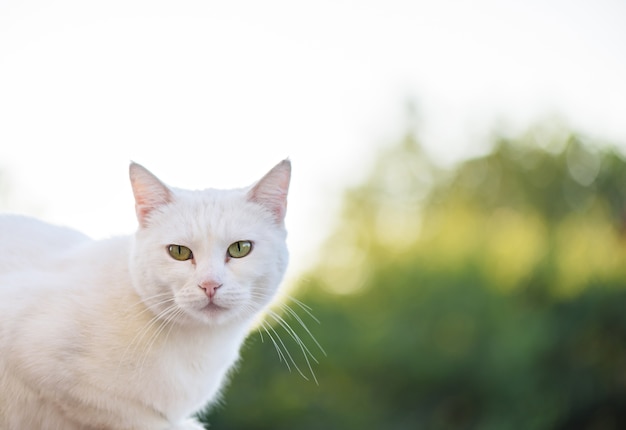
489	296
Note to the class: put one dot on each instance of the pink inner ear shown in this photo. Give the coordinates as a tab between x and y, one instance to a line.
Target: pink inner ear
271	190
142	212
150	193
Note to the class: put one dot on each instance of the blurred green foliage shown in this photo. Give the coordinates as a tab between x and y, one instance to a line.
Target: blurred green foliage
487	296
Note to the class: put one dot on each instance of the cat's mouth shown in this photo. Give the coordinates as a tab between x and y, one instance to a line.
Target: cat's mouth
212	308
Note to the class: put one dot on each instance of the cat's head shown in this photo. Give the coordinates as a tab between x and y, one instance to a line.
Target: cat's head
211	256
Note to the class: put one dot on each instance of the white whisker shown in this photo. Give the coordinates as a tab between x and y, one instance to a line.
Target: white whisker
304	307
166	317
291	312
139	336
305	351
281	356
286	351
280	346
284	324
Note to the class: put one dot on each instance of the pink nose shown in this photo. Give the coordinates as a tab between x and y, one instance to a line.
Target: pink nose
210	287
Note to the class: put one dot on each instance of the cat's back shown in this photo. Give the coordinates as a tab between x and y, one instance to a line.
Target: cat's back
27	243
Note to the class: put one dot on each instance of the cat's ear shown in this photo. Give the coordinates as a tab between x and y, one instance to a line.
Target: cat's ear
150	193
271	190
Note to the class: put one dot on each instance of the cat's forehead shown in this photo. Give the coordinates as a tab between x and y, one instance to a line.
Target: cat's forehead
216	212
211	201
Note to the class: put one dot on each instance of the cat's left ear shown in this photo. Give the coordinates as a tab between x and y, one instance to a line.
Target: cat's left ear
150	193
271	190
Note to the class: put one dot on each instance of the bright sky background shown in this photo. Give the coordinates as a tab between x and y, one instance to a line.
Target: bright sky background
214	93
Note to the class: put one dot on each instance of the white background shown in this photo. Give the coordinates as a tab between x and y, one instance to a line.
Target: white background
214	93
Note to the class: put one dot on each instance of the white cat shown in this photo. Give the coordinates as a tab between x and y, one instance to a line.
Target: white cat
136	332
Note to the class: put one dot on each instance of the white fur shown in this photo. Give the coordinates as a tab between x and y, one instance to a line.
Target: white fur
117	334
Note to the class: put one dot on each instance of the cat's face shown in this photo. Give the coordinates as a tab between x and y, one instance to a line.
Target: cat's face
210	256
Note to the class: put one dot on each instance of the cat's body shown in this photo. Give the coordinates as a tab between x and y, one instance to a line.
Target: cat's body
117	334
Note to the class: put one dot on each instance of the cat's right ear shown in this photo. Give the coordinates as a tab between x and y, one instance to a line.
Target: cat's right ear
150	193
271	191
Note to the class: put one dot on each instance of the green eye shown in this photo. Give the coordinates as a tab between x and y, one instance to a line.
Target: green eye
240	249
180	252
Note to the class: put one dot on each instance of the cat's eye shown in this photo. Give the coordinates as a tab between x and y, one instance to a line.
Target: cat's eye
180	252
240	249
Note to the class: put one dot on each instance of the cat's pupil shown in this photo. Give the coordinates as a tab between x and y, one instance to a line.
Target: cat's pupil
180	252
240	249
